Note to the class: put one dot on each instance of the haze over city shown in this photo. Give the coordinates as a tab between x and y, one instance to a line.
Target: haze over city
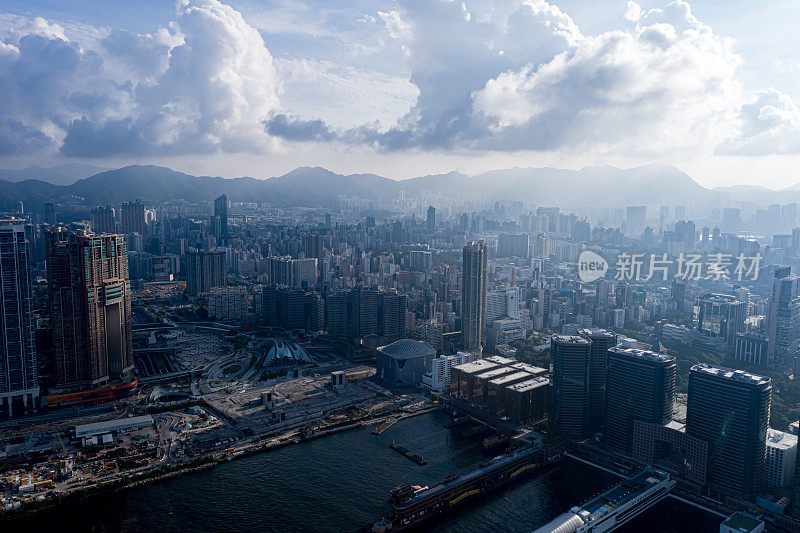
403	89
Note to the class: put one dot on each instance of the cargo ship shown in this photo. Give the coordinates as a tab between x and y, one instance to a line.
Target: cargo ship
408	453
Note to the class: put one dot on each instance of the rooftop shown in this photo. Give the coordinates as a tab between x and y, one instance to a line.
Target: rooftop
730	373
743	522
676	425
508	378
529	368
596	332
624	492
570	339
501	360
495	373
531	384
481	365
408	349
639	353
720	298
96	428
780	439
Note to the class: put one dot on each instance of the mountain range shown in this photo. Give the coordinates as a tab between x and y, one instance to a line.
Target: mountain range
58	175
598	186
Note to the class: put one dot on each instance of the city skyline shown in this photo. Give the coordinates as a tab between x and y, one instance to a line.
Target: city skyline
283	85
533	263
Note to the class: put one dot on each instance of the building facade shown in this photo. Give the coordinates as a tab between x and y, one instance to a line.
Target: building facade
204	269
569	402
90	310
19	387
473	289
730	409
602	340
640	385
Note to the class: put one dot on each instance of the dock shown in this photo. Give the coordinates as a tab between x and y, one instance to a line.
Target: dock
386	425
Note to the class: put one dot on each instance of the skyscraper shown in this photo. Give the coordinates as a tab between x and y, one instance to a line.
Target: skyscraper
473	290
221	211
90	309
132	219
640	385
602	340
431	219
313	247
796	487
204	269
513	245
783	318
730	409
19	387
50	213
569	402
721	315
636	218
104	220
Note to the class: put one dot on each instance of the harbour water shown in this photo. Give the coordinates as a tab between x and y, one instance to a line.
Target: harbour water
341	483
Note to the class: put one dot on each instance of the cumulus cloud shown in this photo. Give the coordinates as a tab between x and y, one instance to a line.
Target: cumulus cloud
508	75
668	83
521	75
205	83
770	124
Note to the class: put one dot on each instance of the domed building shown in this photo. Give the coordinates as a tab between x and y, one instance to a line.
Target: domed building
402	363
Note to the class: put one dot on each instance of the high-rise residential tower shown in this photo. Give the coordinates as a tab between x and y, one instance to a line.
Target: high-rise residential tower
90	310
104	220
132	219
19	388
204	269
473	290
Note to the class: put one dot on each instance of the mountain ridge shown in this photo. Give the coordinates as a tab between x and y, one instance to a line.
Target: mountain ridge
654	184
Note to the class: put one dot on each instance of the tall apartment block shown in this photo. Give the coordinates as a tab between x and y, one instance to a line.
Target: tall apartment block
132	218
19	388
473	290
204	269
90	310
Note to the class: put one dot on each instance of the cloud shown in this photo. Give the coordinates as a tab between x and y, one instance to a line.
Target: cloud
345	96
499	76
295	129
668	84
205	83
521	76
769	124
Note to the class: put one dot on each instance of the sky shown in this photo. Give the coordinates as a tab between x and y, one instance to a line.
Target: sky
404	88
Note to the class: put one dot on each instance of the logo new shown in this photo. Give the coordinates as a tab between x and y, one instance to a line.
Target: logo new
591	266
